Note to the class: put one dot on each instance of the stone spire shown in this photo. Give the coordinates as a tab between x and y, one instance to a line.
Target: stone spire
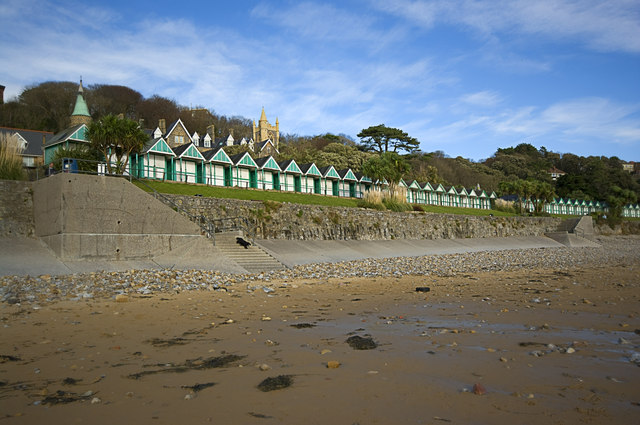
80	113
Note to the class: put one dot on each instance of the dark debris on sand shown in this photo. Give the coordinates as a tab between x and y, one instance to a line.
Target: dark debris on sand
276	383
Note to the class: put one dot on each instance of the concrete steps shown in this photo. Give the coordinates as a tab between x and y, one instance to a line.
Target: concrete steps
252	258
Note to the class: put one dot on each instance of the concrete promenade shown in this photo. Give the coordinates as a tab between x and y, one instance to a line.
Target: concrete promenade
28	256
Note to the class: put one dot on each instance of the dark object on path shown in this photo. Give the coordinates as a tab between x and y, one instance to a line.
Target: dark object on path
245	244
423	289
277	383
197	364
65	397
302	325
198	387
360	343
260	415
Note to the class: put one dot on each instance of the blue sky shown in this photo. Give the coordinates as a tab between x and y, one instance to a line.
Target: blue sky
465	77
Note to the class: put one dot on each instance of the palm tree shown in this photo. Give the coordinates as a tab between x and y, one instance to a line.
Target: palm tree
116	138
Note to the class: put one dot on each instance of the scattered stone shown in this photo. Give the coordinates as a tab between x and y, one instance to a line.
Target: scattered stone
264	367
361	343
325	351
423	289
122	298
478	389
570	350
95	400
265	318
333	364
276	383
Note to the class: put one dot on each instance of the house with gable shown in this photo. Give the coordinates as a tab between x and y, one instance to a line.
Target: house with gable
30	143
73	136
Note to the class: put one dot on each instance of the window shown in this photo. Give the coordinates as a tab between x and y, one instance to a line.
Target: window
178	140
207	143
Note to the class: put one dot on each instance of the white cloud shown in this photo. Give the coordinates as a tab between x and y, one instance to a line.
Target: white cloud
611	25
484	98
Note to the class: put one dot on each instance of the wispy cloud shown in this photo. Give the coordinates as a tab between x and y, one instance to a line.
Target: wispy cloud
601	25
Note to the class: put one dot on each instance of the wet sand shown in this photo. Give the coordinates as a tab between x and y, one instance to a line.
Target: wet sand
533	347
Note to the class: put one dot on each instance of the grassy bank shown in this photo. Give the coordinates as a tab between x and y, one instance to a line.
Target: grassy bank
294	198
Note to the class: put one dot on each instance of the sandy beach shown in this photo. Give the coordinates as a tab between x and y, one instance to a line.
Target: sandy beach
532	345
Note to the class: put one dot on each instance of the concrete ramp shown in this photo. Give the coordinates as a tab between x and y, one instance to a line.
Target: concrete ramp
99	218
571	240
292	253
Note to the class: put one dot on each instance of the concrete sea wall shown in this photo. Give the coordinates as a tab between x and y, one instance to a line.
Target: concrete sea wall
16	209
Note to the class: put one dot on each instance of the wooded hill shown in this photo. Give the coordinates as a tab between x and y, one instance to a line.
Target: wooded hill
47	106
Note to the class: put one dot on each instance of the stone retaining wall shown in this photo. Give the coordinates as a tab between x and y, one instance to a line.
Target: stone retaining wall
274	220
16	209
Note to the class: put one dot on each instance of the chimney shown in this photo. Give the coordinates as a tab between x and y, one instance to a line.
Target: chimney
211	131
231	132
141	122
162	124
1	94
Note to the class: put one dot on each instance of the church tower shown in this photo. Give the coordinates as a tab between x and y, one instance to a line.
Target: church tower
80	113
264	131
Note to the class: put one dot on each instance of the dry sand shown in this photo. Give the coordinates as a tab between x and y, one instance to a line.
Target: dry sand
537	346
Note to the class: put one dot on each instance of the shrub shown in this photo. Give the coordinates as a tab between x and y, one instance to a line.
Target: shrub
393	205
10	159
270	206
371	205
504	206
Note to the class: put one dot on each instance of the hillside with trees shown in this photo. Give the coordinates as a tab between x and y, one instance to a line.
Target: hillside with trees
47	106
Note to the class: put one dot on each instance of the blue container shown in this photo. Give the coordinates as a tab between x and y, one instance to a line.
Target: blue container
69	166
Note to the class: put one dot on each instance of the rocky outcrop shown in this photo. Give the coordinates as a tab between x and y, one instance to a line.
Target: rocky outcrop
273	220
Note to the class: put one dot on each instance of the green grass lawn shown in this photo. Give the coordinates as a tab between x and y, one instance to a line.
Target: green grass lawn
294	198
247	194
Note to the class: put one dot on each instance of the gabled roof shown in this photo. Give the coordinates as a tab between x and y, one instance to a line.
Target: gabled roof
174	125
33	139
463	191
158	146
329	172
75	133
290	166
427	187
347	174
243	159
217	155
267	163
188	150
452	190
309	169
362	178
415	185
439	188
264	143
